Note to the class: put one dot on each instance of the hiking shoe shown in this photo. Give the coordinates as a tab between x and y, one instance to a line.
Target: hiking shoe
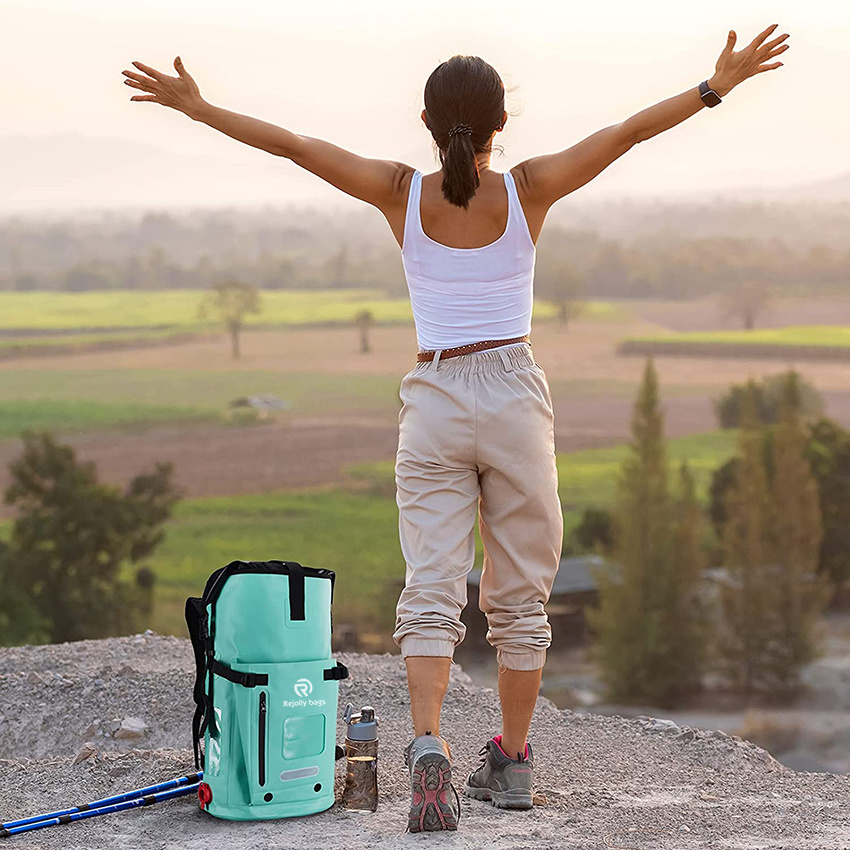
506	782
429	759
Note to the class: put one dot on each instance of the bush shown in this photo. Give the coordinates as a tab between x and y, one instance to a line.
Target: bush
72	540
594	531
767	396
828	453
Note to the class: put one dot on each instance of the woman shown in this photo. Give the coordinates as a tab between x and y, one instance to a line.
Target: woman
476	428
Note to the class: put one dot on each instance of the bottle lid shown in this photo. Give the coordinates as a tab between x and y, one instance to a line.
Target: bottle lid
362	726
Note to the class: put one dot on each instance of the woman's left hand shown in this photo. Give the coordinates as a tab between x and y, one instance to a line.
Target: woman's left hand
733	68
180	92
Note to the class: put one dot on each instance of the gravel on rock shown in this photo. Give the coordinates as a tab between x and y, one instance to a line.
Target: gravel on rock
600	782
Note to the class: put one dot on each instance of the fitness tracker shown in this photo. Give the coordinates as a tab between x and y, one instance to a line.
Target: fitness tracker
709	96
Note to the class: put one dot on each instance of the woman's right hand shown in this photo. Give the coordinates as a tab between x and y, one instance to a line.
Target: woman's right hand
733	68
180	93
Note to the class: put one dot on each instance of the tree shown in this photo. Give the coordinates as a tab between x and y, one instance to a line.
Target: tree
339	267
768	396
563	285
771	541
611	272
649	627
594	530
749	596
827	450
84	276
364	320
746	300
20	621
72	543
229	301
795	533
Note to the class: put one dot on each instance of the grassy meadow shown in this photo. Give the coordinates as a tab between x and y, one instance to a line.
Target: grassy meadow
63	321
146	309
76	401
360	541
350	526
96	399
830	335
79	415
818	341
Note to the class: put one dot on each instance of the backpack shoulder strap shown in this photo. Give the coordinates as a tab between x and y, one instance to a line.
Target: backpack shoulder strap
196	621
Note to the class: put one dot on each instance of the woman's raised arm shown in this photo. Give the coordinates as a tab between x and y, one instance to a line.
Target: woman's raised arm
376	181
548	178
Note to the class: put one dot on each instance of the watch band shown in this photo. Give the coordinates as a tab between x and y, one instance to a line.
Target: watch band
709	96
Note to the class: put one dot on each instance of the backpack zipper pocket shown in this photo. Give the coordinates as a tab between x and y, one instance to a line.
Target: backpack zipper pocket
261	743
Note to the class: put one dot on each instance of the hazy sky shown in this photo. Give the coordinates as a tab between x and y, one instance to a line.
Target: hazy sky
354	72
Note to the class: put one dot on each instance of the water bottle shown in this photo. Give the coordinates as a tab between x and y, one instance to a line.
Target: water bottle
361	747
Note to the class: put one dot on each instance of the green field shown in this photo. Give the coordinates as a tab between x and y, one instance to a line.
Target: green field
208	390
96	399
27	342
354	530
178	308
171	309
71	416
833	336
102	320
589	477
68	401
355	535
198	389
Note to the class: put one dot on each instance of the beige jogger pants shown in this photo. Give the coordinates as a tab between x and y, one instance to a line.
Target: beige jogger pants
476	434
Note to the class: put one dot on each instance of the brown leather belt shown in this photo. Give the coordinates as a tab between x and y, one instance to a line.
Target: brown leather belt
422	356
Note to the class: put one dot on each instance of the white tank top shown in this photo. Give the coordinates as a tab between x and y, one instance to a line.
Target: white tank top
465	295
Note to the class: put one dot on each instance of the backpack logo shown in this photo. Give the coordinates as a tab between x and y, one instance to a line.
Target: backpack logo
303	687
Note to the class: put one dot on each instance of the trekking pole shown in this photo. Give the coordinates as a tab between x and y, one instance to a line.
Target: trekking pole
183	785
136	802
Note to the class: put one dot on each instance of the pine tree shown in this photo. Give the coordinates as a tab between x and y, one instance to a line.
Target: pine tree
689	616
649	647
749	596
795	534
771	545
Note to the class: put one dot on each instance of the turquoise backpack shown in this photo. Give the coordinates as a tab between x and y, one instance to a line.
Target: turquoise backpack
266	690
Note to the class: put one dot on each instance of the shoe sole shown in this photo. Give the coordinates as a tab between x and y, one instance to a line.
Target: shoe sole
513	799
430	784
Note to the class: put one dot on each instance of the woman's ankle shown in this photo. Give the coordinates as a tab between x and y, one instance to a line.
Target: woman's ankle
512	749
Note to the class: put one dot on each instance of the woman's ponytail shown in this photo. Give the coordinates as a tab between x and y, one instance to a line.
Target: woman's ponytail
465	104
460	167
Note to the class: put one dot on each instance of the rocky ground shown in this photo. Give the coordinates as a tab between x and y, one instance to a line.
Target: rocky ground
81	721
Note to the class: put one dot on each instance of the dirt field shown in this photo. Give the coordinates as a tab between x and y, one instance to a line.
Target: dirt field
595	412
587	351
704	315
211	461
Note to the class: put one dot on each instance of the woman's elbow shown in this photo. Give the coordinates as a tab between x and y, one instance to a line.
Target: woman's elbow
632	133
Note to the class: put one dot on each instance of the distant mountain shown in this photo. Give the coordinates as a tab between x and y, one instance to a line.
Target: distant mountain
830	189
833	189
63	172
